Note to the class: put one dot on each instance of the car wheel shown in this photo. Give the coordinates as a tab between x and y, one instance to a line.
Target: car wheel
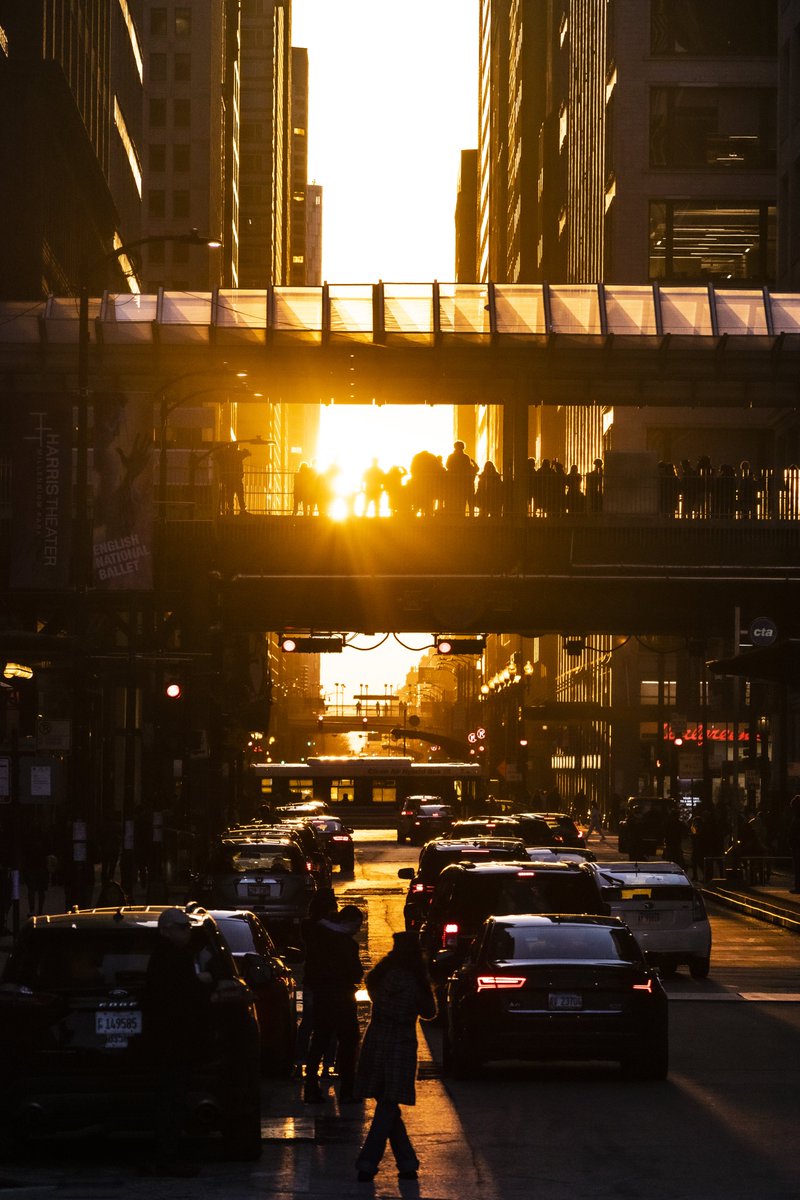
241	1136
699	967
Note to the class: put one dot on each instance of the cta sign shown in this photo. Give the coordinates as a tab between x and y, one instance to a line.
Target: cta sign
763	632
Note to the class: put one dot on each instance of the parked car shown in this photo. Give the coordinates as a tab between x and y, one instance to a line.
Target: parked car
338	841
423	817
491	825
73	1052
556	988
269	877
665	912
466	894
438	854
301	829
270	979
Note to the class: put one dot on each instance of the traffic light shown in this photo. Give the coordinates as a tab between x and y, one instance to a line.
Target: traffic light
294	644
467	645
173	688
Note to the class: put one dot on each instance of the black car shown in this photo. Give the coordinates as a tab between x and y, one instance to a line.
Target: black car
423	817
531	830
270	980
563	829
556	988
338	841
440	853
268	876
467	893
73	1049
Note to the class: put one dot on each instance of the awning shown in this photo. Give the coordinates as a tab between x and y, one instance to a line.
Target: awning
779	663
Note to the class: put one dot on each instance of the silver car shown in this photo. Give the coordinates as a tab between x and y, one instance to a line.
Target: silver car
663	909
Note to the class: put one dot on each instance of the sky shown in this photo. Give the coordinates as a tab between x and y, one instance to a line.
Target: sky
393	88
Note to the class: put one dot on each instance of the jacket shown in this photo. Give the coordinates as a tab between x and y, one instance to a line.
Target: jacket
387	1065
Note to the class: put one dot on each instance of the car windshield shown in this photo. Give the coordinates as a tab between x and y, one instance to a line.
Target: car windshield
434	810
237	934
534	891
327	824
268	856
71	960
595	943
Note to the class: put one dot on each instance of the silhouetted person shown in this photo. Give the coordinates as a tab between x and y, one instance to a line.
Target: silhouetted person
335	976
374	481
489	491
304	496
460	483
593	485
231	475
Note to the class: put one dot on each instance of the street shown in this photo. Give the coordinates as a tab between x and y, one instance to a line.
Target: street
722	1126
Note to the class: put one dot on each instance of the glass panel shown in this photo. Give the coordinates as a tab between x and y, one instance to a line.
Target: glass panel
630	310
463	308
725	128
740	312
298	309
785	313
242	308
519	309
409	308
575	309
351	308
19	321
685	310
128	318
693	240
713	28
185	308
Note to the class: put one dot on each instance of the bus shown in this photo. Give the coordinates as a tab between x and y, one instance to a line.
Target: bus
376	786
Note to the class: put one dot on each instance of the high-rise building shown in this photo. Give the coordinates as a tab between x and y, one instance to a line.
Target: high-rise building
266	148
191	133
70	143
313	234
788	266
467	219
299	169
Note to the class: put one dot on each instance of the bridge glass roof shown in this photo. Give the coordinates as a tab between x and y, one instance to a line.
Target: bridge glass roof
409	313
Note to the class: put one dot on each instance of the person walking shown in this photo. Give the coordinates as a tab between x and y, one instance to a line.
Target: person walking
323	906
595	823
334	976
401	992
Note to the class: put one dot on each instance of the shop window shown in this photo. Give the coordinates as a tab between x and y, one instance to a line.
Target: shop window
722	242
713	28
717	128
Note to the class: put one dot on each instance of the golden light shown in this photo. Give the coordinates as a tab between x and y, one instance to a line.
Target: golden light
14	670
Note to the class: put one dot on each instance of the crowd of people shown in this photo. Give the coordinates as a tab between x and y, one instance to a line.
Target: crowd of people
457	485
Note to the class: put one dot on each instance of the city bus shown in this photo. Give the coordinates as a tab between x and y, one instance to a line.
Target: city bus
370	785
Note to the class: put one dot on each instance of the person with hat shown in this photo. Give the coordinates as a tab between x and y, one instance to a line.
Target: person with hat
401	992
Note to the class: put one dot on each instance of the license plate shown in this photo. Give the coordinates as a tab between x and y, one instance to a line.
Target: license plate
116	1024
262	891
564	1001
649	918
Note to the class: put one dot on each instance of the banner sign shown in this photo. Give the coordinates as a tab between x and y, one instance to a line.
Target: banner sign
123	483
40	437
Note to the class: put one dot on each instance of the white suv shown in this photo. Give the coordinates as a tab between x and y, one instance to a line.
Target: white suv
663	909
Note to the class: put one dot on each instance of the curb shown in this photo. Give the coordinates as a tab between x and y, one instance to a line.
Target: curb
755	906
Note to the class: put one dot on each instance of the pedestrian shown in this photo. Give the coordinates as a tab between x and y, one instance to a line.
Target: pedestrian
595	822
176	1008
634	834
374	482
460	481
323	906
231	475
673	836
793	834
400	991
336	974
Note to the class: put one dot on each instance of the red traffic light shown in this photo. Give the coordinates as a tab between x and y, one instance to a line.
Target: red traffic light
173	689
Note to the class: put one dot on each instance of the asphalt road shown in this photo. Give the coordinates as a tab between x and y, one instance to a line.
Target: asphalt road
722	1127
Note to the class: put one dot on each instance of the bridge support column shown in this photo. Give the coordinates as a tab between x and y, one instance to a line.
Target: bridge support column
515	450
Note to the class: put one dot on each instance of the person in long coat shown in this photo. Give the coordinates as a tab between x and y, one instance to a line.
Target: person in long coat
401	992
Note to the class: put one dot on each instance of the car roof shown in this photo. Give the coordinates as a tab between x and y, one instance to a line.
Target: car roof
122	916
534	919
476	843
493	867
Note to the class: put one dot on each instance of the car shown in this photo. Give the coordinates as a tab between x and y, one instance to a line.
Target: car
466	894
423	817
556	988
72	1034
559	854
301	829
650	812
564	830
302	808
492	825
268	876
338	841
270	979
438	854
664	910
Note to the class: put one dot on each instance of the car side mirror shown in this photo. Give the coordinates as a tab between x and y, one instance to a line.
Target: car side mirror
406	873
349	829
255	970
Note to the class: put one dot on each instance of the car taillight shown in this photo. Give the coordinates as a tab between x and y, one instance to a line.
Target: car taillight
406	813
698	906
644	987
418	887
449	936
496	983
309	865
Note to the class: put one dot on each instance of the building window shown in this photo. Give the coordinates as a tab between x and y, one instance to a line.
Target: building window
158	112
158	68
692	241
157	157
648	692
158	21
180	204
182	113
719	128
713	28
156	203
181	157
183	22
182	68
